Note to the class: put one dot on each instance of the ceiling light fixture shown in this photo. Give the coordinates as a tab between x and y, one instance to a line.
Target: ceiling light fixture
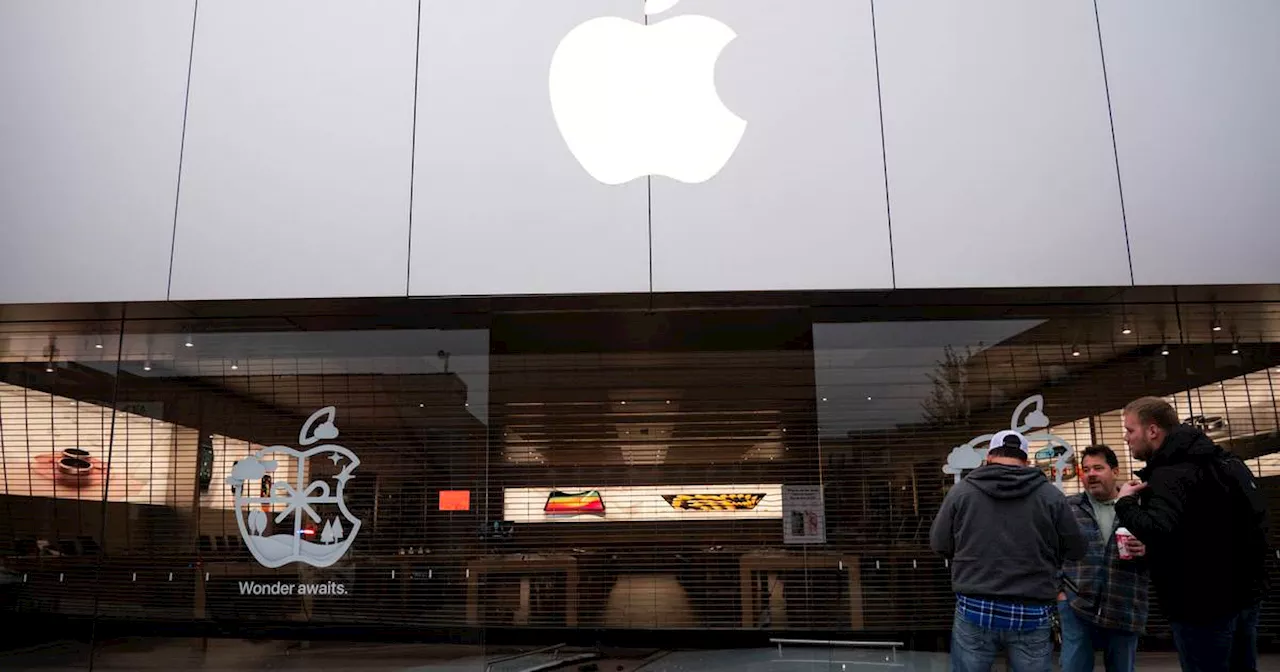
235	366
188	342
1217	326
98	345
1164	350
146	366
1075	352
1126	329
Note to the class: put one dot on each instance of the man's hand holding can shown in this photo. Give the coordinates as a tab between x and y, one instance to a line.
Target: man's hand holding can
1128	545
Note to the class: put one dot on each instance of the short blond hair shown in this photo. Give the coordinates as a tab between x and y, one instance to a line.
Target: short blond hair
1153	411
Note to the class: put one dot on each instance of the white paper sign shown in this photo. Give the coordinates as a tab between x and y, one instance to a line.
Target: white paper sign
804	518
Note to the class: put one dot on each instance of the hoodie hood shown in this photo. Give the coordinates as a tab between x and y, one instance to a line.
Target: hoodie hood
1000	481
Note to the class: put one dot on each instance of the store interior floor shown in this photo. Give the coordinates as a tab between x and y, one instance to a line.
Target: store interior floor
247	656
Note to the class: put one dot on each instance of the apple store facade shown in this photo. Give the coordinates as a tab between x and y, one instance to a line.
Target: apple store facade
644	324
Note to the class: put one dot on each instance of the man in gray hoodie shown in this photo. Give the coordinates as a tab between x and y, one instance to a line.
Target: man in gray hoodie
1006	531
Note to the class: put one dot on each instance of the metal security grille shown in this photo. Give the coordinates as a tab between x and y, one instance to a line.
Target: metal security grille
741	470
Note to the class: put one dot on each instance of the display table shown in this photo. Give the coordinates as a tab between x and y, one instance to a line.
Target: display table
771	562
525	567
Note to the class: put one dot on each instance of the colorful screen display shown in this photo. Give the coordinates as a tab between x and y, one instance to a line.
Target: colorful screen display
564	503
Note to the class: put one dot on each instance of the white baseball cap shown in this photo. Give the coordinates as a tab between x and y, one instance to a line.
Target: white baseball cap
1009	439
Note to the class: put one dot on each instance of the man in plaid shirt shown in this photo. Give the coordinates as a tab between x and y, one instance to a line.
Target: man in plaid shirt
1103	605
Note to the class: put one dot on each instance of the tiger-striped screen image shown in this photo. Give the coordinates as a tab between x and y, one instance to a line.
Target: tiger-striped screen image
725	502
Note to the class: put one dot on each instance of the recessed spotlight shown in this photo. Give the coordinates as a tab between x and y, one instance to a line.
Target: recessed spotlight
1164	350
48	368
1126	329
868	398
1075	352
98	345
146	367
624	402
1235	350
824	398
422	405
1217	326
235	366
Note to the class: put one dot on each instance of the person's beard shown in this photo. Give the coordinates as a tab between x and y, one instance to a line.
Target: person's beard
1142	451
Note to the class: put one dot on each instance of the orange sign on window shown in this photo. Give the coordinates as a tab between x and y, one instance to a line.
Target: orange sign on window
455	500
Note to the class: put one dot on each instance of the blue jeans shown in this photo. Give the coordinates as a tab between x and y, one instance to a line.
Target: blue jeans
1080	639
1225	645
974	648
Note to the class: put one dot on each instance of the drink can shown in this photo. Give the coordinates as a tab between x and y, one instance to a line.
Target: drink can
1123	536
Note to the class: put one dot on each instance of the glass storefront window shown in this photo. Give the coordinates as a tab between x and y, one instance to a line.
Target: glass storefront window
520	473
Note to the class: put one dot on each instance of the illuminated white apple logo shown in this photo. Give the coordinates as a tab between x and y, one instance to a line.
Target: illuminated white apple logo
634	100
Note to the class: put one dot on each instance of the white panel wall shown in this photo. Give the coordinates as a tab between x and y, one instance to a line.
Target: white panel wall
291	155
295	179
91	97
1195	91
500	204
801	204
1001	169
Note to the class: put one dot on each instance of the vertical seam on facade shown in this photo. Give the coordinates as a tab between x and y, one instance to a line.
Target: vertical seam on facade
182	150
1115	148
413	151
884	155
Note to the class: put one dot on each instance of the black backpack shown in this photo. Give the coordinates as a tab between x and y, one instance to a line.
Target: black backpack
1249	500
1248	509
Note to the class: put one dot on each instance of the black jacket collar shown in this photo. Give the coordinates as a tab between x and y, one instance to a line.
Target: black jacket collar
1183	444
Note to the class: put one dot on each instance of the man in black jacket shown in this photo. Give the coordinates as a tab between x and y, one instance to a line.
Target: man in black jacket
1205	546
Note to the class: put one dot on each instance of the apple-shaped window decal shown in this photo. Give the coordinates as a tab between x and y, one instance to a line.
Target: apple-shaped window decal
633	100
1027	417
279	524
